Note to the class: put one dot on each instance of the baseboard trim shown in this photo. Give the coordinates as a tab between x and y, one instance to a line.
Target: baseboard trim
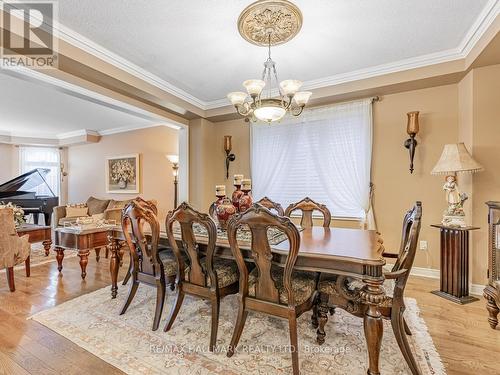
431	273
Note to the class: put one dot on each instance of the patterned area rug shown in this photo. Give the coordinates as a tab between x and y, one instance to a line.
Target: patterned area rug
127	342
37	256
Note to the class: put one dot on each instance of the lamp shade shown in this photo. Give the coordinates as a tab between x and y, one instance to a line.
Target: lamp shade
455	158
174	159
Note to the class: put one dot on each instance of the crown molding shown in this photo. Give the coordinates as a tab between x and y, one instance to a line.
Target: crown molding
125	129
95	49
61	139
77	133
479	27
474	34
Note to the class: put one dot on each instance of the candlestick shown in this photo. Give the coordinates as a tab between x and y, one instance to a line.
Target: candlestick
246	184
237	179
220	190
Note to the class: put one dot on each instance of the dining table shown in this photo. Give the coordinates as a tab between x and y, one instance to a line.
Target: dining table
345	252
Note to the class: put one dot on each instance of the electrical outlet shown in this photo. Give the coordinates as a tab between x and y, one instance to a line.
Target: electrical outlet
423	245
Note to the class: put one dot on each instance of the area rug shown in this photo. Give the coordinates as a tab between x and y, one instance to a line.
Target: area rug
37	256
127	342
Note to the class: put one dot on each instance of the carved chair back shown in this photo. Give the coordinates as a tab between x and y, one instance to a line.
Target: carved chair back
308	206
271	205
186	216
259	219
143	247
408	248
7	224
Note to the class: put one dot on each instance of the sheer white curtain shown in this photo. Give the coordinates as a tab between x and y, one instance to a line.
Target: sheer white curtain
325	154
42	157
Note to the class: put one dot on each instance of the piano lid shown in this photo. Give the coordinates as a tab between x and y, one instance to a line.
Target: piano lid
25	182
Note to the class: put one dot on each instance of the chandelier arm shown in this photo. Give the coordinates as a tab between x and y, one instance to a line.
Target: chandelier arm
243	109
286	101
300	109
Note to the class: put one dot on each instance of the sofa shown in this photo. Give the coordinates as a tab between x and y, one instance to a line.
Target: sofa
108	209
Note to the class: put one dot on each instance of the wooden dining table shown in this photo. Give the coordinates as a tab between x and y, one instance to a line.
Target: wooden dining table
347	252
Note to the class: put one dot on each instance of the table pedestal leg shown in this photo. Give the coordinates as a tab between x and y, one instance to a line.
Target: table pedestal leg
46	246
373	295
114	248
121	252
59	257
84	260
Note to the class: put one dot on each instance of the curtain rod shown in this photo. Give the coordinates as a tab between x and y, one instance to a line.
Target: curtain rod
372	98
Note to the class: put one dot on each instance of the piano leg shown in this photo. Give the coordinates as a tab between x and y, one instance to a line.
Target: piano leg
35	218
47	218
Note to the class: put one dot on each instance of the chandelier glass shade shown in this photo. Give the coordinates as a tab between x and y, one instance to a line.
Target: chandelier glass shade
267	99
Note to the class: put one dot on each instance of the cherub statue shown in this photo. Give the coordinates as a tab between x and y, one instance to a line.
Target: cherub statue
454	198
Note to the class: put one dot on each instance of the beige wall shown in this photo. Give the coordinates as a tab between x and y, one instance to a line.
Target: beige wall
86	166
202	163
395	188
9	160
486	150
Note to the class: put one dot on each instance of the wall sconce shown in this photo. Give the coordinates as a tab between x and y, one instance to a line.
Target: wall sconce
412	129
174	159
229	157
63	172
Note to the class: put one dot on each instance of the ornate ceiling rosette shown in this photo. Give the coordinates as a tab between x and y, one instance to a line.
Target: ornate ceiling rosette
274	21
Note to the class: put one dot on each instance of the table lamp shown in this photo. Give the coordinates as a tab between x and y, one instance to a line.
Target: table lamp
455	159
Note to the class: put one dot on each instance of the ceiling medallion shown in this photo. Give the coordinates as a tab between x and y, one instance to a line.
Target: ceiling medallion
268	23
279	18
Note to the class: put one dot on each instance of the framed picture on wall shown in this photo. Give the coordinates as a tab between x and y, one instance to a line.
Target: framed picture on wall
123	174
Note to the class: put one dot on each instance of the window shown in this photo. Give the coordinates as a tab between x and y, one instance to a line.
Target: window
324	154
42	157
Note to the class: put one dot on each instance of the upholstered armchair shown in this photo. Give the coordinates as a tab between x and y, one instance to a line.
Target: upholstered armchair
13	249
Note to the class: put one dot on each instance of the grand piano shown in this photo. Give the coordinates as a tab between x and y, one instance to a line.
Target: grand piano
18	192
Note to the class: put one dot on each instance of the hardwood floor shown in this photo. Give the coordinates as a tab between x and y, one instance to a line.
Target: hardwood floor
461	333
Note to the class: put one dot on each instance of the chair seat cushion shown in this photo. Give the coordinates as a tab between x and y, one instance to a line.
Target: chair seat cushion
327	285
226	270
169	261
303	284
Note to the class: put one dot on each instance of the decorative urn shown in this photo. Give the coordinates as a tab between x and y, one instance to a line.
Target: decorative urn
237	193
224	211
246	200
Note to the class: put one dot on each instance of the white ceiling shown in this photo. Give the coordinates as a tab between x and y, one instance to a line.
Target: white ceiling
195	46
33	109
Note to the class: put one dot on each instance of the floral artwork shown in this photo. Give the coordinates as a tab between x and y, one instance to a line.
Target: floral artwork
122	174
18	213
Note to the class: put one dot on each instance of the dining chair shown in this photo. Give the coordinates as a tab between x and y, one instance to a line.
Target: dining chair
150	264
268	288
308	206
206	277
13	249
343	291
271	205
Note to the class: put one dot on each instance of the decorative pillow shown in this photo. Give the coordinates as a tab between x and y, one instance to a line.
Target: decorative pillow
97	206
117	204
76	210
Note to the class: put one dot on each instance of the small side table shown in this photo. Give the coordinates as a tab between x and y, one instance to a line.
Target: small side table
455	264
83	241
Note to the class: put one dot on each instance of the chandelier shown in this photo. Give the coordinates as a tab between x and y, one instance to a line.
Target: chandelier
269	22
